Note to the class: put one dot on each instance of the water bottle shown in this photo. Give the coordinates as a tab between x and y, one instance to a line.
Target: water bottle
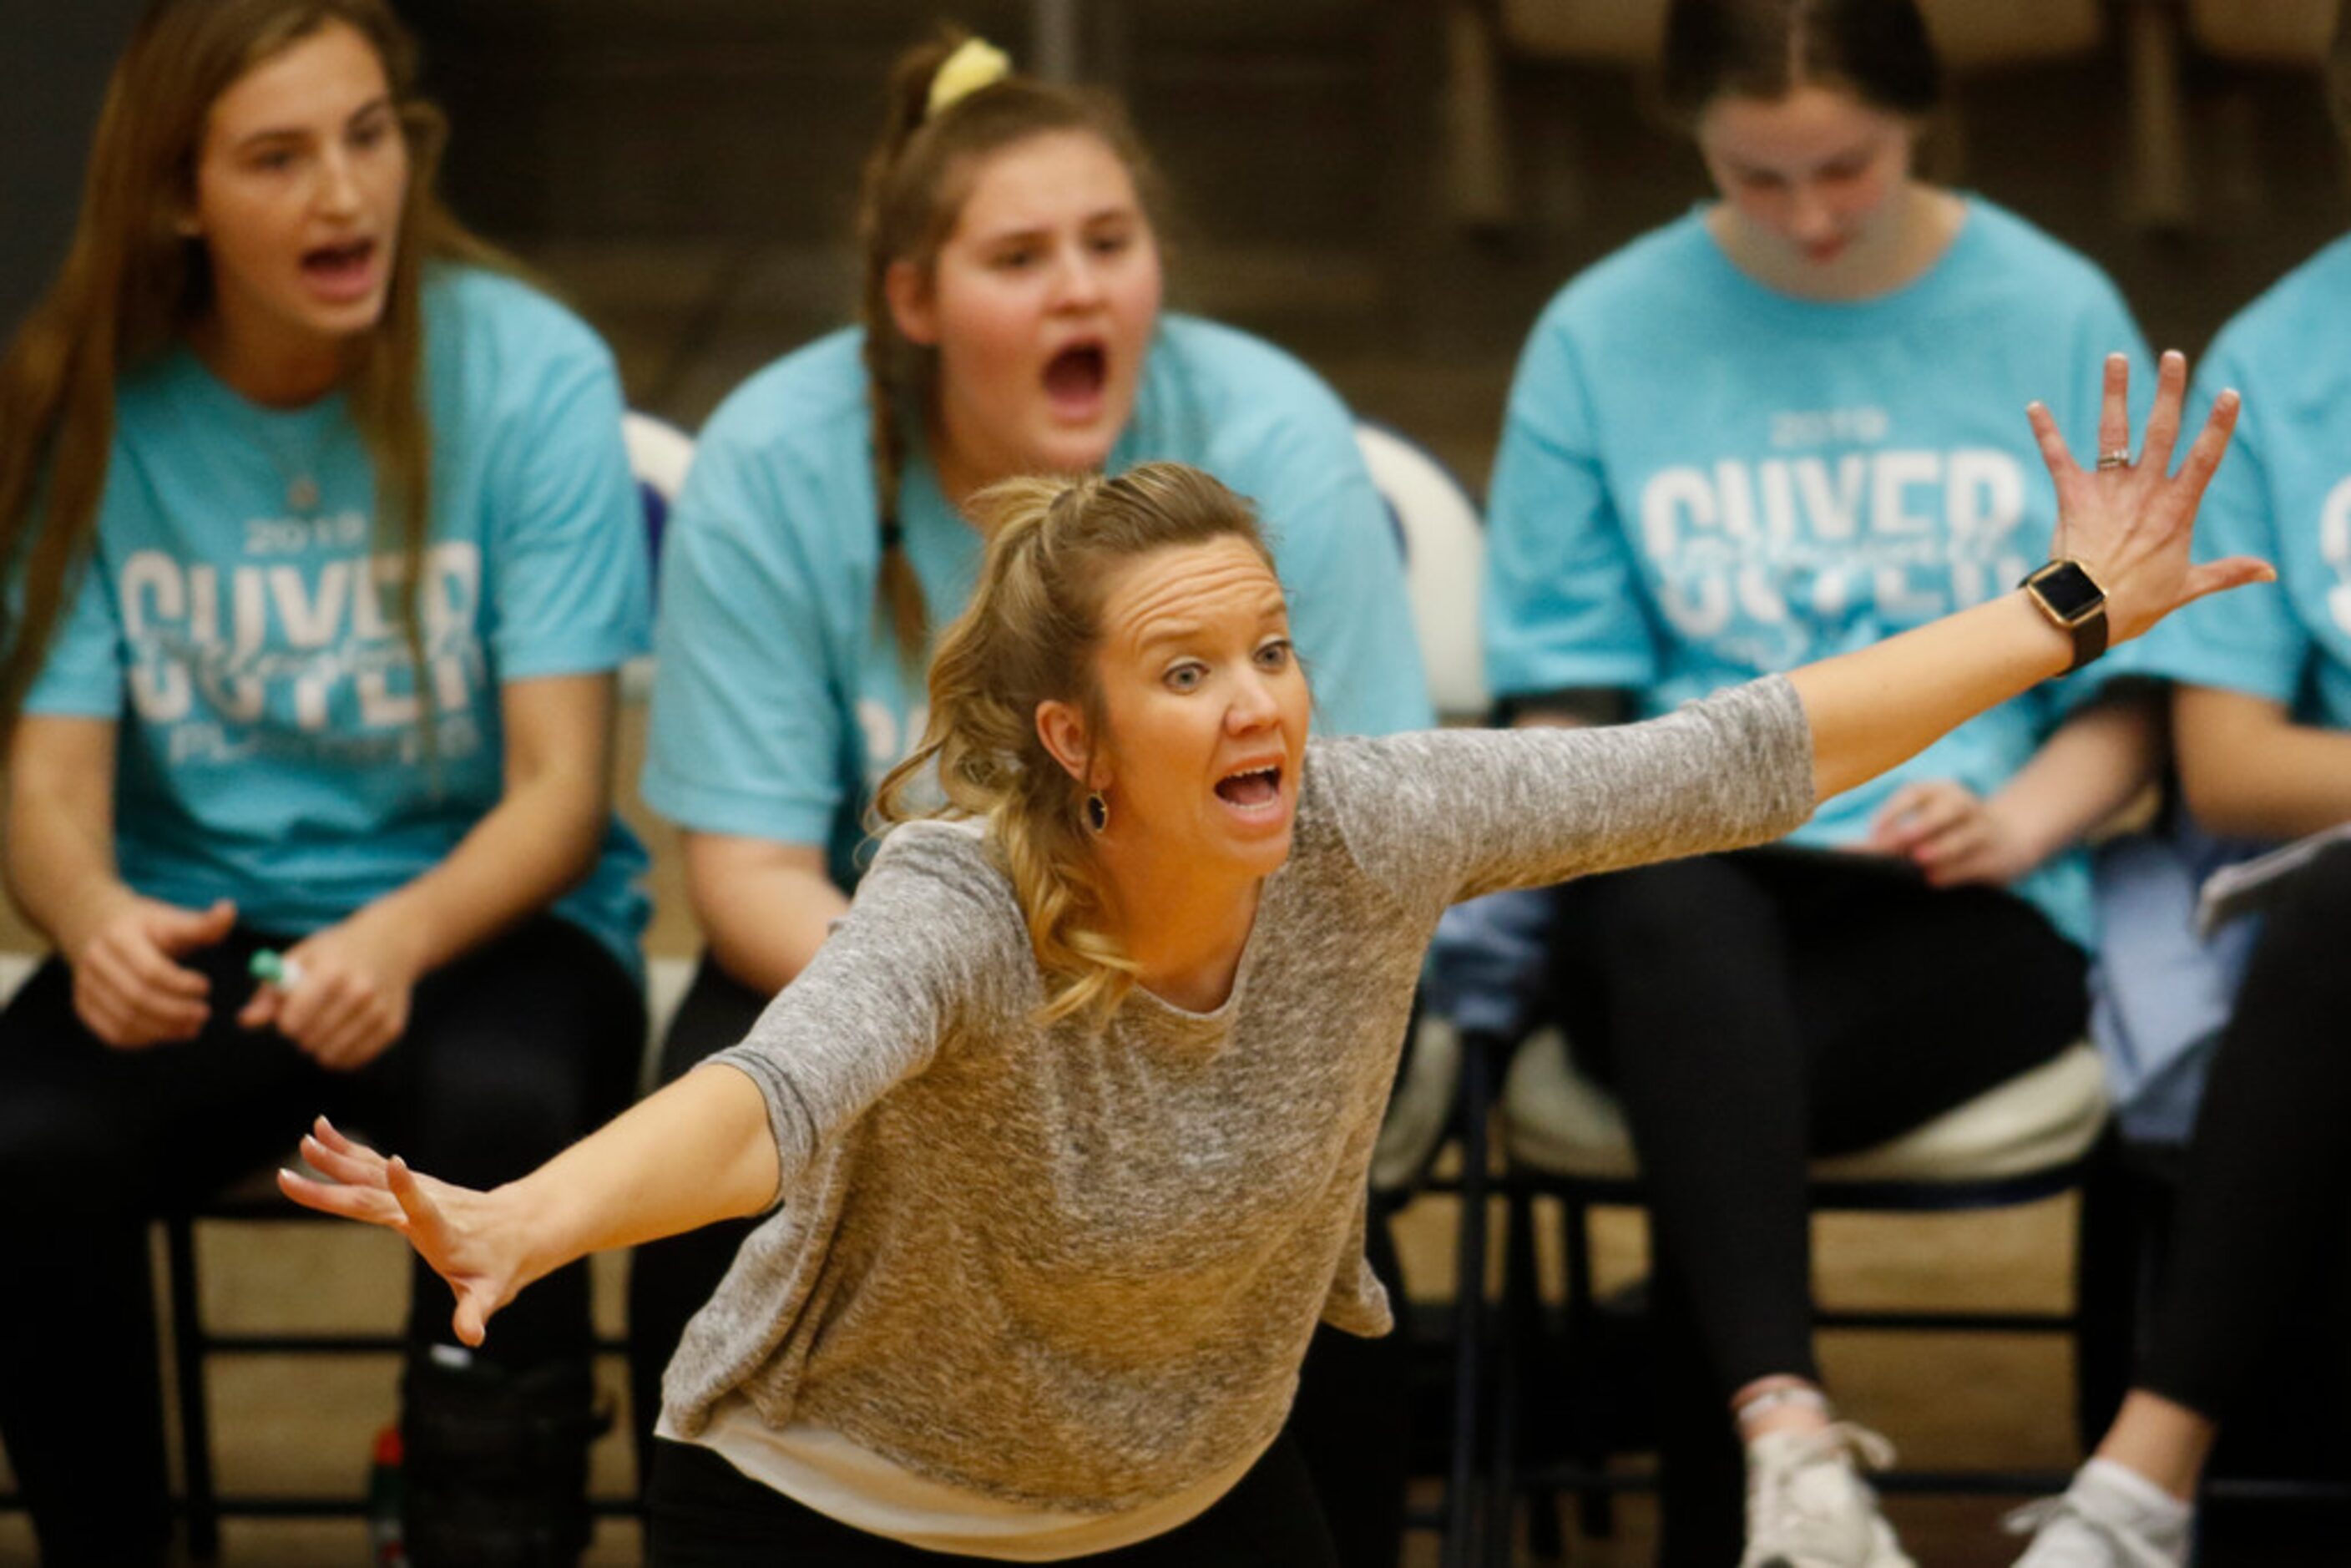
386	1546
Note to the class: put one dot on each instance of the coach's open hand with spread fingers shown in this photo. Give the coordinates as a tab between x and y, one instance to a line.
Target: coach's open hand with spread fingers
469	1238
2125	525
626	1184
2128	523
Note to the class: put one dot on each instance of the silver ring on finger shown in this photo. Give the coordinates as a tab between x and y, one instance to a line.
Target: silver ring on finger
2114	457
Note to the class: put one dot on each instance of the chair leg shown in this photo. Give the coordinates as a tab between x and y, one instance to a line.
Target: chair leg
1463	1513
188	1369
1595	1507
1517	1365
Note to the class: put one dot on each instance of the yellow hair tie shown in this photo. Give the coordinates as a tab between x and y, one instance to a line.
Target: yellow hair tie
975	64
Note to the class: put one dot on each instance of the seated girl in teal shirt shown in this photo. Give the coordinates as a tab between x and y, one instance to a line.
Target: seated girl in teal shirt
1781	428
2262	723
326	552
1011	323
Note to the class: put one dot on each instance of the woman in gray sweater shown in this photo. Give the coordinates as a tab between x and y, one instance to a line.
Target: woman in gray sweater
1061	1138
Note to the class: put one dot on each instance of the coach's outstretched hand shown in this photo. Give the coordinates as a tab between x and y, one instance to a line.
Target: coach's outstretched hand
465	1235
696	1151
2129	524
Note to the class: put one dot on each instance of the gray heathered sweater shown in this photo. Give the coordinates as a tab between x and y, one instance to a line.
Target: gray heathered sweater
1076	1268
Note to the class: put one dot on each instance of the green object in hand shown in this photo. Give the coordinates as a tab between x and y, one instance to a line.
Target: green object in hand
268	965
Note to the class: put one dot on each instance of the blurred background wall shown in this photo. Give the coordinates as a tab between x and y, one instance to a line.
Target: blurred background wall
53	63
1389	187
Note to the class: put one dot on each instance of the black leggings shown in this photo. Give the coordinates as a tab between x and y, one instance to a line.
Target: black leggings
511	1052
1753	1010
706	1514
2266	1212
1350	1423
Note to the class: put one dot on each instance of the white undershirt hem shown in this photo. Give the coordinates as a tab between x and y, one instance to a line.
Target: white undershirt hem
820	1468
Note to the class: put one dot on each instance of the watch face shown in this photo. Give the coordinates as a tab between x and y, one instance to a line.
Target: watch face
2067	590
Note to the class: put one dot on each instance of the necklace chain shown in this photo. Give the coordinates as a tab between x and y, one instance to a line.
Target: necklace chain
302	494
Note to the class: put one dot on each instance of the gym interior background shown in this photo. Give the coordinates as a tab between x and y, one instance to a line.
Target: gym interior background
1389	188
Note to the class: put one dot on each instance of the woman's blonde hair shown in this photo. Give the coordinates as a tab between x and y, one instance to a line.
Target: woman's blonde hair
134	282
916	179
1029	636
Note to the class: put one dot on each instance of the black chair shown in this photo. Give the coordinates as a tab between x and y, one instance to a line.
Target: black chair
2042	1133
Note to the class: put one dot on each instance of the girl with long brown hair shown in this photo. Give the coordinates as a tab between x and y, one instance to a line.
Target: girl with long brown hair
323	553
1011	322
1059	1141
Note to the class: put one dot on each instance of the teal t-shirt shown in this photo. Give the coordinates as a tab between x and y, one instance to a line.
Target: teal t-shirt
2283	493
239	617
779	699
1703	480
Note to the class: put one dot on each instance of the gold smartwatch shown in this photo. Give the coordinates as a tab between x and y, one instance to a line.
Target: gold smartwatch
2074	602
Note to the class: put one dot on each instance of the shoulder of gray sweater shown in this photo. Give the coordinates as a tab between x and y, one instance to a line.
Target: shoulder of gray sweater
1764	719
940	878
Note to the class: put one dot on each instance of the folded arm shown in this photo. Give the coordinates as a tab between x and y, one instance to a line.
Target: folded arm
2099	761
766	907
2248	767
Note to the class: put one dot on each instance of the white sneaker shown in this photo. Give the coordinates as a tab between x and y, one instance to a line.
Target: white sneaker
1807	1506
2111	1517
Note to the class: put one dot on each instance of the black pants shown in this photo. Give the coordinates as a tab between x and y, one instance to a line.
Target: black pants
706	1514
511	1052
1349	1424
1754	1009
2265	1211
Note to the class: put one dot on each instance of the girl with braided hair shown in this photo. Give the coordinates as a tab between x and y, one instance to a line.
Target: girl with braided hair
1011	322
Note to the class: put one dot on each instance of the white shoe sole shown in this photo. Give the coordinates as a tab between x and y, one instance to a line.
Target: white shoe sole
1885	1551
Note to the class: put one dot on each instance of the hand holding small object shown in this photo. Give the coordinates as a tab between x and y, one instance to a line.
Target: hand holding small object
341	994
272	968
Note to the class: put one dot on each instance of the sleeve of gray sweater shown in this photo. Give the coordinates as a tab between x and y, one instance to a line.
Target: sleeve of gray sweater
931	939
1451	814
935	937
